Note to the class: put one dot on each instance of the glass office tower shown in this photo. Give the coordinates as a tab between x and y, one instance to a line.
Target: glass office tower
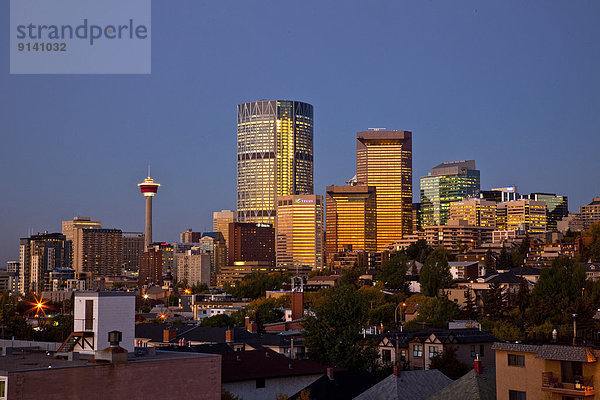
384	160
448	182
274	156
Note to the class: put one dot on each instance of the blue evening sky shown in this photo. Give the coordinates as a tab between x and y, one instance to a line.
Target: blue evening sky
512	84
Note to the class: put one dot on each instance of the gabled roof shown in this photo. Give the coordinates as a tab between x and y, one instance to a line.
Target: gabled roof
409	385
566	353
472	386
526	271
154	332
246	365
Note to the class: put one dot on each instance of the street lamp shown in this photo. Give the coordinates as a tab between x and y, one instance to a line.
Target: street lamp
401	313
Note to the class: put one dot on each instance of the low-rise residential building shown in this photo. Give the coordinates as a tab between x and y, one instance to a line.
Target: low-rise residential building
549	371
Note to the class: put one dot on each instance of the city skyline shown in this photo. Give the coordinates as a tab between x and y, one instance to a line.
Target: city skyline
530	123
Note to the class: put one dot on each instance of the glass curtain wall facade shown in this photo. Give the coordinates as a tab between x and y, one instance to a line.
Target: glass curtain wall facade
557	207
384	160
351	218
446	183
299	233
274	156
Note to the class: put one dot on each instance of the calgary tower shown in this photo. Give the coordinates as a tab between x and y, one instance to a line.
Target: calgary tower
148	188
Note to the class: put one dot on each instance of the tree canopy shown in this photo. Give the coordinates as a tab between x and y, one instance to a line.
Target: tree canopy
435	274
393	273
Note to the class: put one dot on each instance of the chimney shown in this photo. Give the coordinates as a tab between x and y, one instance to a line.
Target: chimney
330	373
169	334
477	365
396	370
247	323
297	305
229	336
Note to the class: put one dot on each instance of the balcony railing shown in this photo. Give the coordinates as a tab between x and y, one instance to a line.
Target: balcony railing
551	383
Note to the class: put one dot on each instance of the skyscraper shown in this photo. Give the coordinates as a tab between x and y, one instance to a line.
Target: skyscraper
70	229
299	232
446	183
40	255
557	207
351	218
274	156
384	160
221	221
100	251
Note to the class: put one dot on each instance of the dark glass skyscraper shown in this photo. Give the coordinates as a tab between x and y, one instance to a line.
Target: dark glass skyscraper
274	156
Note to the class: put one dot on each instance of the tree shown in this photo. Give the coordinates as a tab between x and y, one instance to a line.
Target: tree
490	262
555	295
470	308
332	335
435	274
448	364
418	251
255	285
262	311
521	298
219	320
494	300
393	273
591	243
437	311
504	260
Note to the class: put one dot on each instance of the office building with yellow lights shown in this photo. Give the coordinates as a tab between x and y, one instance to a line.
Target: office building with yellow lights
446	183
274	156
384	161
476	212
590	213
351	218
526	215
299	232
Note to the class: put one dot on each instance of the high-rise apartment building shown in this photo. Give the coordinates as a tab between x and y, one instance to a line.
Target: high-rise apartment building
527	215
70	228
99	251
475	211
351	218
214	244
39	255
507	193
446	183
251	242
299	232
151	263
590	213
557	207
133	246
384	161
190	236
274	156
194	267
221	221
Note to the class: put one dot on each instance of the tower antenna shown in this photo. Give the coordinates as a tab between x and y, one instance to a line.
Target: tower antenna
148	170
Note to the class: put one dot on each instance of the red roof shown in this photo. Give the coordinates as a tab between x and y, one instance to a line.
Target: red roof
254	364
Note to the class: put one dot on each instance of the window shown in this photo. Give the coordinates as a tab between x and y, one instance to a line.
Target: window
433	351
570	371
417	350
260	383
516	360
2	389
481	348
473	351
386	356
403	355
89	315
516	395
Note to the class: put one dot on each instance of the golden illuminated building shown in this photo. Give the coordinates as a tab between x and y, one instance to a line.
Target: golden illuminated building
274	156
351	218
299	232
384	161
527	215
221	221
476	212
70	229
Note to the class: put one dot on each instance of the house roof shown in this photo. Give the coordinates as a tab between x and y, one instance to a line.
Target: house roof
154	331
409	385
265	363
526	270
344	385
471	386
551	351
468	335
566	353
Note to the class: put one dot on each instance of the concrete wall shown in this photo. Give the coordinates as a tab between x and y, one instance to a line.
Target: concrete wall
288	385
189	378
526	379
47	346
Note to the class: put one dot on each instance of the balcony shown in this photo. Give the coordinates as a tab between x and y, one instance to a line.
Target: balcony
552	384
